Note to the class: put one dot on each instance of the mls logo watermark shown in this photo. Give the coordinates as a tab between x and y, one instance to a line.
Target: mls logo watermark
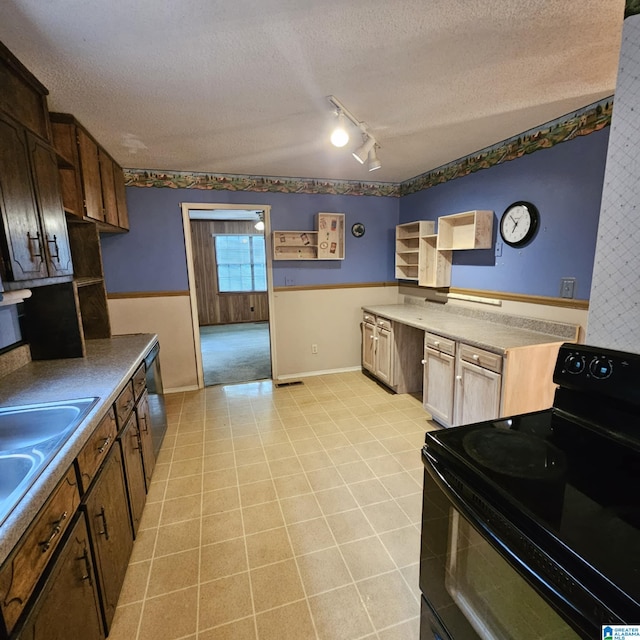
620	632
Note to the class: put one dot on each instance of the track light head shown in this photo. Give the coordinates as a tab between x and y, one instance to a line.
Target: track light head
374	163
361	153
340	136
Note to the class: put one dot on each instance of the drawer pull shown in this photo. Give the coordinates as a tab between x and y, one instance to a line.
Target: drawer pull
105	445
105	529
57	528
436	343
87	567
476	357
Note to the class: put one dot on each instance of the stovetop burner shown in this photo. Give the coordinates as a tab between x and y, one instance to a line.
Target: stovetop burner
515	454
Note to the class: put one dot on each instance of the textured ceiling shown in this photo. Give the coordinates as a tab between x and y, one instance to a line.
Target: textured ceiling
240	86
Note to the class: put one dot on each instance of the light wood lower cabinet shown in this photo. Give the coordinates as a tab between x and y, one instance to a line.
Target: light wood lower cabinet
106	506
477	393
68	605
438	384
392	353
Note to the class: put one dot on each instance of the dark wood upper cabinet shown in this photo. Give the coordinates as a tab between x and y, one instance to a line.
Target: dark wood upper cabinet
92	182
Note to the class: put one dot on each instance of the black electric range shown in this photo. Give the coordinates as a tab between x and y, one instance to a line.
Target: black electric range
556	493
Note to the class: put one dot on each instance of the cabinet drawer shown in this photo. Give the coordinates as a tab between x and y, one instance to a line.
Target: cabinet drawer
95	451
486	359
383	323
22	570
367	317
139	381
439	343
124	404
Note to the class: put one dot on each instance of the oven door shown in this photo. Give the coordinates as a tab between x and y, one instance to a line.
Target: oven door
470	591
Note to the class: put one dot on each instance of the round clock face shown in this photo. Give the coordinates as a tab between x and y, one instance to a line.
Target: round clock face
357	229
519	223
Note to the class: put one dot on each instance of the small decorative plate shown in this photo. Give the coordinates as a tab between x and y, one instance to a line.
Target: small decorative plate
357	229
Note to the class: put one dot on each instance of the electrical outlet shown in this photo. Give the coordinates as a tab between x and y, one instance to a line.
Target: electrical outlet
314	348
498	249
288	282
567	286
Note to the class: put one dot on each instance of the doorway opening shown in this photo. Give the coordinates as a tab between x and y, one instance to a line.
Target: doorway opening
229	270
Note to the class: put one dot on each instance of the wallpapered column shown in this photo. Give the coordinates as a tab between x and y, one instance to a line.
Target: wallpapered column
614	308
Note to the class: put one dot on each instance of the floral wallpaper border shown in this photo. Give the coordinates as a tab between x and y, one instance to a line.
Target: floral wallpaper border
580	123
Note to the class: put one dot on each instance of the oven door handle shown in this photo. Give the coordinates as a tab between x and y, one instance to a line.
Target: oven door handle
585	622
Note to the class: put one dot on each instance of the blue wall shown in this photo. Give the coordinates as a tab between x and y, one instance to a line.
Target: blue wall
151	257
564	182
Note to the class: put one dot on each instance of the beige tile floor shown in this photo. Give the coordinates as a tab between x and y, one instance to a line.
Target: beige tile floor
281	513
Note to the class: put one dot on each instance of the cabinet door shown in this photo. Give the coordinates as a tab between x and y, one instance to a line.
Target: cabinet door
121	197
384	353
21	241
368	347
90	175
68	605
438	385
134	473
477	394
109	200
144	426
110	529
55	238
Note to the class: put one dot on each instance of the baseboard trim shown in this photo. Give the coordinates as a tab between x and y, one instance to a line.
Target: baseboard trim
309	374
181	389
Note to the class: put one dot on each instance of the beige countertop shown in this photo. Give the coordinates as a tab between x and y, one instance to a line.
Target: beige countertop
102	374
491	331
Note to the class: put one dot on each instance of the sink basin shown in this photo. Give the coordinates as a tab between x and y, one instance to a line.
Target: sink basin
27	426
14	469
30	437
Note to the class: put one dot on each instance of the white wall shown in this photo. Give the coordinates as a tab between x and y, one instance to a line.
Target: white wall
170	318
329	318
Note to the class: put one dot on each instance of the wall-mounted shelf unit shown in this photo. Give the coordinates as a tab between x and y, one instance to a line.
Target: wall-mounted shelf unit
435	266
408	237
425	256
468	230
326	242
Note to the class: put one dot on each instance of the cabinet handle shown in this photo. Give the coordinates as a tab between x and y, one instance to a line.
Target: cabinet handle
31	239
144	419
105	444
55	256
87	567
57	527
459	379
476	357
423	361
105	529
436	343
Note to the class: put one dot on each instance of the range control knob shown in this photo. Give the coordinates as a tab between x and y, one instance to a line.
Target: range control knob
601	367
574	363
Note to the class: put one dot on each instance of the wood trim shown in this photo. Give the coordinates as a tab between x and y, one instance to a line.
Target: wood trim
146	294
349	285
569	303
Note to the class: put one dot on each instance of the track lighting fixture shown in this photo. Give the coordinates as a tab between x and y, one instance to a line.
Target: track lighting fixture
374	163
340	136
259	226
361	153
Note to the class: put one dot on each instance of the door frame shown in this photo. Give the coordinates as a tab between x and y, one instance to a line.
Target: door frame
187	207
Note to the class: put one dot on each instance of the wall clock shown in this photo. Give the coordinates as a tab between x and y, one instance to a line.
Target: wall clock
357	229
519	223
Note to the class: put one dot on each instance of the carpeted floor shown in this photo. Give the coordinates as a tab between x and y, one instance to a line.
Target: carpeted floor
235	352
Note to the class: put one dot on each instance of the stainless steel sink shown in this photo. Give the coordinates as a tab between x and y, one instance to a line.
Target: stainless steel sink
27	426
30	437
14	470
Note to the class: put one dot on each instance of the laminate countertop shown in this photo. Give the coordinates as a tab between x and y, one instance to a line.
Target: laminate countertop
101	374
491	331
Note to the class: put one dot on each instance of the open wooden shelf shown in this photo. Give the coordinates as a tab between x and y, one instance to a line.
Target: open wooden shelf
326	242
468	230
